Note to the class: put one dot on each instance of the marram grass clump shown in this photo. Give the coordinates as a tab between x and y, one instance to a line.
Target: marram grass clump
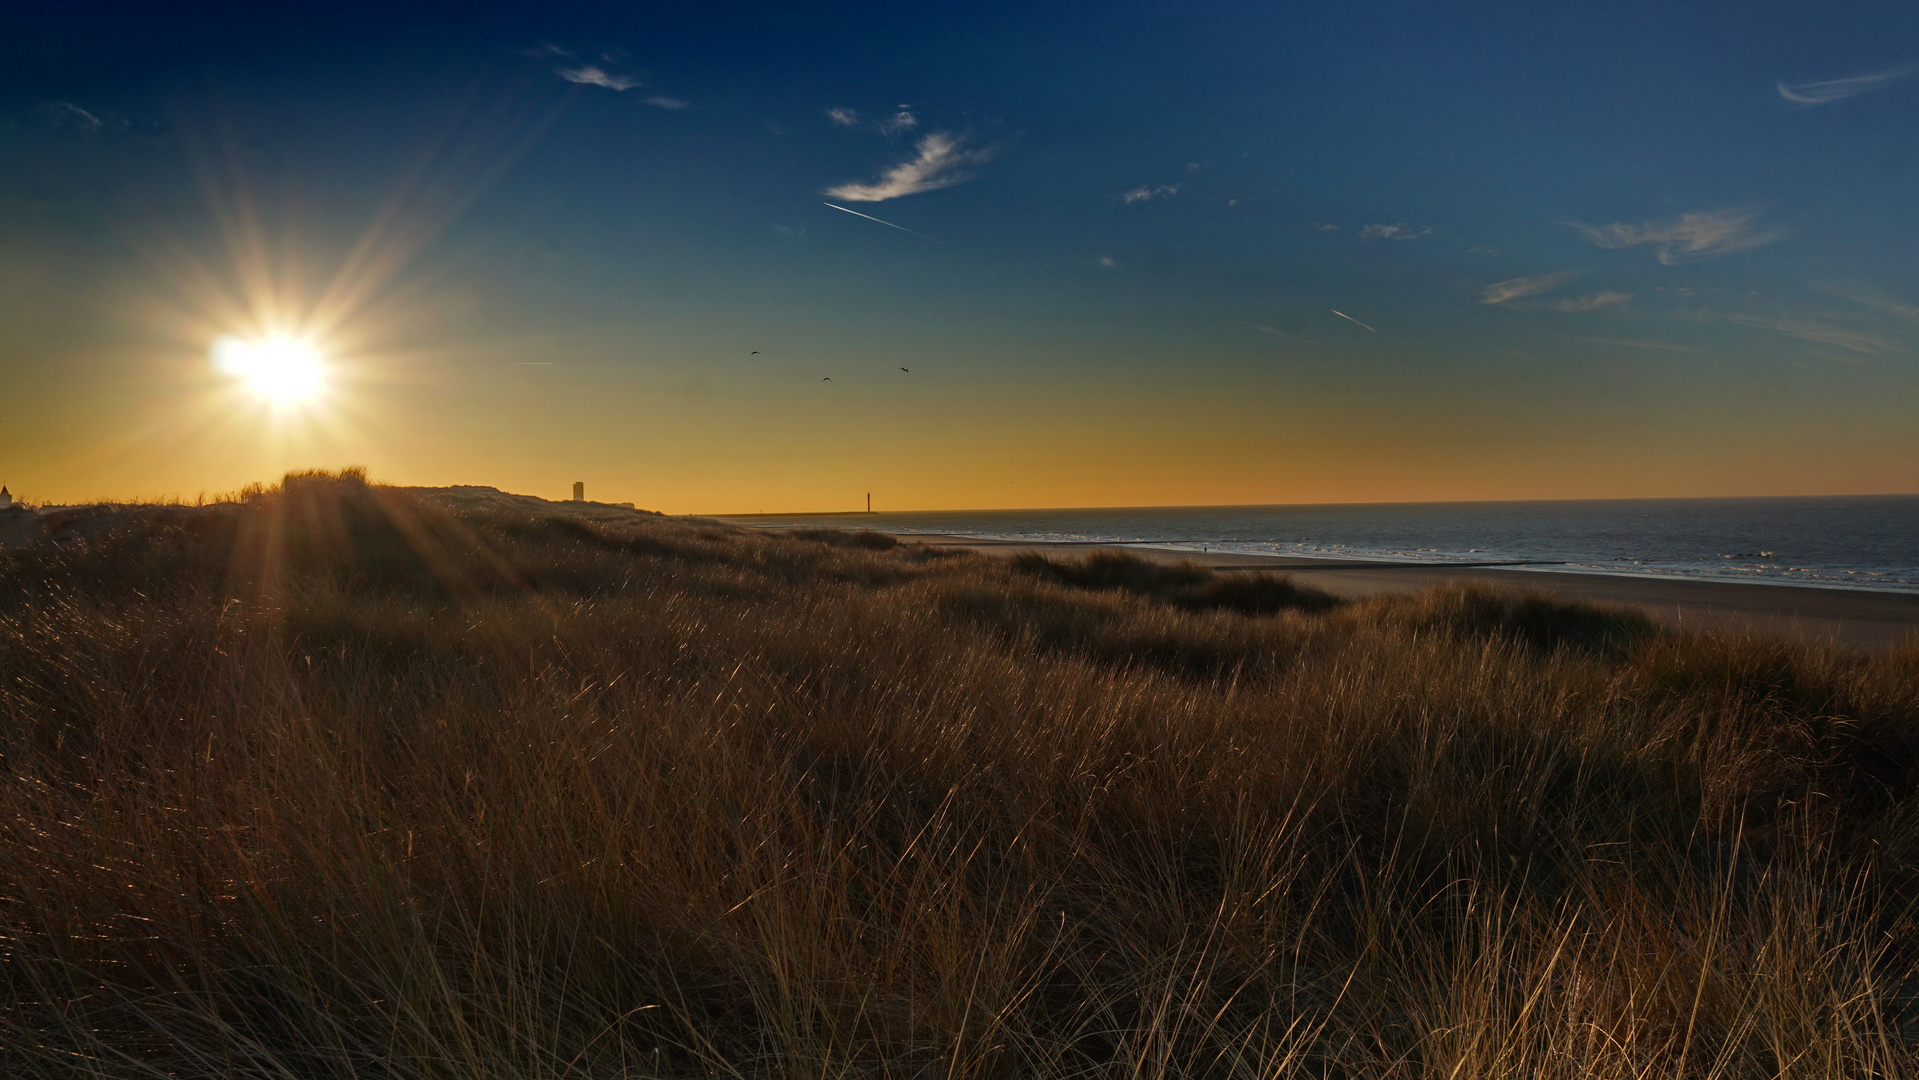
1185	585
341	780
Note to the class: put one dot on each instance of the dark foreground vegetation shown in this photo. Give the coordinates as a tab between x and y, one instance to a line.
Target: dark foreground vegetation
342	781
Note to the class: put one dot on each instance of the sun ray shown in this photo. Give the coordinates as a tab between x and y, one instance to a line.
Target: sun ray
282	338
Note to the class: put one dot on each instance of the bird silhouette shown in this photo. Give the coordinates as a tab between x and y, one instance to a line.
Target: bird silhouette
755	352
908	372
827	379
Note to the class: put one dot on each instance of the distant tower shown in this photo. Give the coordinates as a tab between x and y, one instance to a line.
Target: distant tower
869	502
579	491
6	499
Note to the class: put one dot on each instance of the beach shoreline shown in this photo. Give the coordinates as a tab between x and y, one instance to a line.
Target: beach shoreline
1849	617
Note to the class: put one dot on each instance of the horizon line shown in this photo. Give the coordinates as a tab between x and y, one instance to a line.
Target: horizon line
1246	506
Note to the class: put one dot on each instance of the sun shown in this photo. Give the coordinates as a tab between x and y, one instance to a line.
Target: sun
282	371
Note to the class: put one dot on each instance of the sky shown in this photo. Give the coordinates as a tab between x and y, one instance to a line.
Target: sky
713	259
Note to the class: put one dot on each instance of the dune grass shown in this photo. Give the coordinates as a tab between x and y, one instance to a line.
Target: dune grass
338	780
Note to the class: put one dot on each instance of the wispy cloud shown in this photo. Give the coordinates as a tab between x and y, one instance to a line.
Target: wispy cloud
1107	262
1350	319
942	161
1398	231
1878	301
1817	332
899	123
1278	333
1637	343
1687	238
1519	288
64	113
1822	334
1596	302
664	102
1146	193
1831	90
591	75
796	234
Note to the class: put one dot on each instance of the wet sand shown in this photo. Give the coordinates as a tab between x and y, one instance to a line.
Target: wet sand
1854	618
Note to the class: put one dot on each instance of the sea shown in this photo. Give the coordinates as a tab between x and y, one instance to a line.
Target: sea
1835	542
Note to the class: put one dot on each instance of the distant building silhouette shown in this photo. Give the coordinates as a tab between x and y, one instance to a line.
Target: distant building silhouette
579	491
6	498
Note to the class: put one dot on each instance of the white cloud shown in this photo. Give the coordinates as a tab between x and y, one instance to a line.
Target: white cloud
941	162
1400	231
589	75
1144	193
1686	238
664	102
1518	288
1595	302
1107	262
1831	90
796	234
843	117
1329	227
899	123
1194	166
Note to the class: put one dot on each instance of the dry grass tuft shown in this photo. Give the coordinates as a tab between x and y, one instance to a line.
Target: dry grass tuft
1185	585
854	538
338	780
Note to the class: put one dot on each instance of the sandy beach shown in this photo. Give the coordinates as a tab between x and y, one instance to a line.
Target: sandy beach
1853	618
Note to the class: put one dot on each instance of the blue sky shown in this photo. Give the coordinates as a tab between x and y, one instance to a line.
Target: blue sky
1144	254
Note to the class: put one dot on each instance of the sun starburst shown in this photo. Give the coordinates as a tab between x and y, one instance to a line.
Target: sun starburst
284	371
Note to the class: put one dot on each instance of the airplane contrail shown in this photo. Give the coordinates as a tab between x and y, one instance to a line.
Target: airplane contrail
888	224
1349	318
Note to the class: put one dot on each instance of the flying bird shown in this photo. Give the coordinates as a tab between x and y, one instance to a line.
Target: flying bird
755	352
1349	318
908	372
829	378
